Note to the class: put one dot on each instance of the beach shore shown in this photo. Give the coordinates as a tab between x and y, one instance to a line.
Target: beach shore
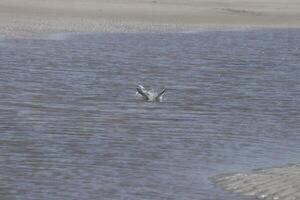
282	183
36	17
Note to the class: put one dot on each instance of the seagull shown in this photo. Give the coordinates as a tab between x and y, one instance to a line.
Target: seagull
150	95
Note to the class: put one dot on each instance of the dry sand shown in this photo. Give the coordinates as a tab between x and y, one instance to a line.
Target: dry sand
273	184
36	17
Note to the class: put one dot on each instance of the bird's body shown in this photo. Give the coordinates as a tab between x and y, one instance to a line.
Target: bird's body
150	95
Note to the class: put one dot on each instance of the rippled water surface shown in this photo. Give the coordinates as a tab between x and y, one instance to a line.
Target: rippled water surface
72	128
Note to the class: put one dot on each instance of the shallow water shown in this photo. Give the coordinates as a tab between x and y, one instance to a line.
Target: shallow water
72	128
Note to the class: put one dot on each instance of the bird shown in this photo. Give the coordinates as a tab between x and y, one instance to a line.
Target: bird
150	95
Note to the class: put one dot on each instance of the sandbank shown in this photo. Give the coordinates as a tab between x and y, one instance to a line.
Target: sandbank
281	183
37	17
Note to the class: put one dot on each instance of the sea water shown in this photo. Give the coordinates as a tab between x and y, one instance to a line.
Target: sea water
71	126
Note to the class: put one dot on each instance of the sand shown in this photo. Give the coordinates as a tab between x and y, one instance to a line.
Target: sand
281	183
38	17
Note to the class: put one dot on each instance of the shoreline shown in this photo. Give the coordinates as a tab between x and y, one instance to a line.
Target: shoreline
189	30
27	18
271	183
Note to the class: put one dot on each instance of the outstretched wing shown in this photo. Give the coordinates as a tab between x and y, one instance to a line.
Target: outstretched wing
141	92
158	97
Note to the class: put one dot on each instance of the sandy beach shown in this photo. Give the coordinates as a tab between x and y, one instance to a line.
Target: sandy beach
282	183
36	17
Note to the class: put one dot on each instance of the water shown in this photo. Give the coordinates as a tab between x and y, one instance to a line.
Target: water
72	128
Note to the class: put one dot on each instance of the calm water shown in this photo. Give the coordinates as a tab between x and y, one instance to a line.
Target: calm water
72	128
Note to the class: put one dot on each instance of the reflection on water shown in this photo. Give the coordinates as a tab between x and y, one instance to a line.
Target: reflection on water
72	128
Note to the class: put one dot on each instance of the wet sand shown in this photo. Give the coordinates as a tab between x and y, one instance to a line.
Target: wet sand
33	17
275	183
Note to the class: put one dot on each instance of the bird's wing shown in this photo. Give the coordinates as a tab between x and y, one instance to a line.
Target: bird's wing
142	87
141	92
160	94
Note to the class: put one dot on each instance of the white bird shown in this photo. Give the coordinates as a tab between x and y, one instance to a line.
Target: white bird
150	95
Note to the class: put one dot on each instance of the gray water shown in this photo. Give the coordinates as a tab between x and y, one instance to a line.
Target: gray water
71	126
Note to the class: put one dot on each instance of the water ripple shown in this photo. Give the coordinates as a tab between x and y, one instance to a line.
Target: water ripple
71	127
